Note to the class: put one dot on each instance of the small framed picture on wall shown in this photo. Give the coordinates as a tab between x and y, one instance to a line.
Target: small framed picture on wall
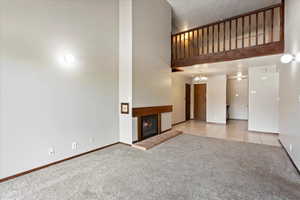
124	108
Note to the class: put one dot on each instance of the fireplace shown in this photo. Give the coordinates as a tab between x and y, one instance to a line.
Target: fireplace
149	120
149	126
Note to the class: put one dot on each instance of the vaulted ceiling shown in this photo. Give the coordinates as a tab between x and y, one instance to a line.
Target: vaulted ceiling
193	13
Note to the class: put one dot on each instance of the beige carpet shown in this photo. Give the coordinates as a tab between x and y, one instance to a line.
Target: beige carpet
156	140
183	168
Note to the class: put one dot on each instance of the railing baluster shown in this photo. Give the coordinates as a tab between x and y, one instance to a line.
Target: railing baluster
230	34
213	39
183	45
202	38
207	43
256	29
264	26
224	36
236	33
198	42
250	28
272	25
177	47
219	37
194	43
243	26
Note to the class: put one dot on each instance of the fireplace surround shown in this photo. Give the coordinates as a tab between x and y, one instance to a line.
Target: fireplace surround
149	120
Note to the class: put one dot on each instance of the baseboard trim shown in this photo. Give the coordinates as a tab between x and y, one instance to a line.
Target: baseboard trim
55	163
287	153
237	119
217	123
166	130
180	123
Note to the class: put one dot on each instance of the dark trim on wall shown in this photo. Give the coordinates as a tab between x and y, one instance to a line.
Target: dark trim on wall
179	123
287	153
166	130
144	111
55	163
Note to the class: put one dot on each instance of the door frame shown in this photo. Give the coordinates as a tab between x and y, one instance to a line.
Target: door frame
195	103
188	104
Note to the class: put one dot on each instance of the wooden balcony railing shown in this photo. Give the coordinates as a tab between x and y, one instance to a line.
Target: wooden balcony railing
256	33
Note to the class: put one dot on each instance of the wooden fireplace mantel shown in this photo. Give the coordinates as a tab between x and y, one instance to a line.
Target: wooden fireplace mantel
144	111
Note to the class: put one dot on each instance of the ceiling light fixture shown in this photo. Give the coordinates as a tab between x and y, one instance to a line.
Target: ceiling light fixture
200	78
197	78
203	78
287	58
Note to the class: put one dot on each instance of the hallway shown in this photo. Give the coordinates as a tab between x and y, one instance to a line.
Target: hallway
236	130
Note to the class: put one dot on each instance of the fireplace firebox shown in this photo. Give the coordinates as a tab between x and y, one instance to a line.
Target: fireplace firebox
149	126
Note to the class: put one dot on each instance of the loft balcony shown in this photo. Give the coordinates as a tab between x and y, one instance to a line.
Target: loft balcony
257	33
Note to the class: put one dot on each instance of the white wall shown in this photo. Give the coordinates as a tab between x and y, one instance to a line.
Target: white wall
178	96
151	53
237	98
152	56
45	103
216	99
263	99
125	69
290	85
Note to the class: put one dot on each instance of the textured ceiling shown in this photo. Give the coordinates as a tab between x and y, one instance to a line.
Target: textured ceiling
193	13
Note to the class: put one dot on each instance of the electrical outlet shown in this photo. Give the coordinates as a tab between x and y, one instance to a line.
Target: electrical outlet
291	148
51	151
92	140
74	145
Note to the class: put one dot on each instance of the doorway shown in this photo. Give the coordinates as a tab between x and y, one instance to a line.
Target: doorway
187	102
200	102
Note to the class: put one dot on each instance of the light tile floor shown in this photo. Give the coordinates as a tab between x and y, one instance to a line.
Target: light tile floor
234	130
